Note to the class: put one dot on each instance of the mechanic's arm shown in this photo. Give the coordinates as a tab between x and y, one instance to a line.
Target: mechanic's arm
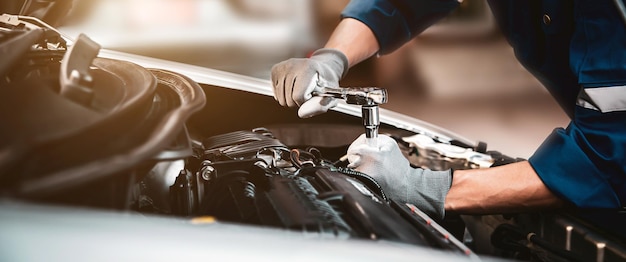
354	39
368	27
509	188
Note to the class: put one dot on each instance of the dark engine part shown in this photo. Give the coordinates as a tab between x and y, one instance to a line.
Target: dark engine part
54	145
562	236
252	178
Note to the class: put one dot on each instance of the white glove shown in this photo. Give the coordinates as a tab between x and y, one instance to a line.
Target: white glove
384	162
295	79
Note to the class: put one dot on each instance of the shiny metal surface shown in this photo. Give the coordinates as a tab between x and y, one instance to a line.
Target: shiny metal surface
355	95
371	120
440	156
367	97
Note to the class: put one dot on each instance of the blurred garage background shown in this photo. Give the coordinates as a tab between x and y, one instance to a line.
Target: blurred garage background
459	74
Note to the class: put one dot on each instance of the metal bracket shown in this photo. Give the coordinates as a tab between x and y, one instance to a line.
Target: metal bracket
451	151
76	82
14	20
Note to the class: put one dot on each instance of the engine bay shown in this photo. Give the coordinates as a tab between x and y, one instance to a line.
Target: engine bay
122	137
119	136
253	178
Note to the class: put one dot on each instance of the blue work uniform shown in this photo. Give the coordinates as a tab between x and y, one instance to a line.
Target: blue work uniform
577	49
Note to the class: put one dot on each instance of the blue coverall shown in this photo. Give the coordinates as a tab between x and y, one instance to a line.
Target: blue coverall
577	49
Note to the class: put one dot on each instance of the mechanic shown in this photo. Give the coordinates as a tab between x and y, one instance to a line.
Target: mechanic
577	49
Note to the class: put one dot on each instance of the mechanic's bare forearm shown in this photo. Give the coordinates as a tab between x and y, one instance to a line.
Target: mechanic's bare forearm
509	188
354	39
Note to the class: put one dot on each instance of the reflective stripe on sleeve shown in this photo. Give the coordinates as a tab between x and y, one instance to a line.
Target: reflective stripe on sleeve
603	99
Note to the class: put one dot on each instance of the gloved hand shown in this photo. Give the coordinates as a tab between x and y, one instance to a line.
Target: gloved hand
423	188
296	78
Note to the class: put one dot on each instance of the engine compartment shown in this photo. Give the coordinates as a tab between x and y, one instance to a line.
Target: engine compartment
123	138
154	142
251	177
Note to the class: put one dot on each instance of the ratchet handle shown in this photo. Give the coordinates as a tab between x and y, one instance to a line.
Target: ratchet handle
354	95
